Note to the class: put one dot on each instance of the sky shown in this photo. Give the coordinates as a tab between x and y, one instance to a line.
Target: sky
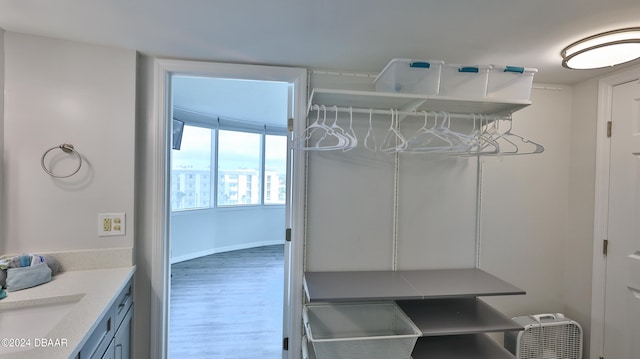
237	150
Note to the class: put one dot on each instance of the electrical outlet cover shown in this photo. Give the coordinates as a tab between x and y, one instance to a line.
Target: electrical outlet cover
111	224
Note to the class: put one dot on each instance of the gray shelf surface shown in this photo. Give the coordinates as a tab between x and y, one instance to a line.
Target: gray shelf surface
471	346
453	316
404	285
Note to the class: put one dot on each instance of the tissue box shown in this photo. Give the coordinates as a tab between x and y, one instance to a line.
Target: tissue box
27	277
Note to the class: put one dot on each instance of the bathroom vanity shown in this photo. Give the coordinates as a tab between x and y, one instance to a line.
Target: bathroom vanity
85	313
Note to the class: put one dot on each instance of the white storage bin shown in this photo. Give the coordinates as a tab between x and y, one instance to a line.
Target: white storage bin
464	81
410	76
510	82
360	330
306	353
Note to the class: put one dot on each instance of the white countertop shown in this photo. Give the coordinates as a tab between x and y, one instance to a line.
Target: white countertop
96	290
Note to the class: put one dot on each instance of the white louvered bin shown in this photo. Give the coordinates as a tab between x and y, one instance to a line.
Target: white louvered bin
545	336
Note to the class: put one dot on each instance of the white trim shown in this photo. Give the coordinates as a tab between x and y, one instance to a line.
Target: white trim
159	142
601	212
297	207
217	250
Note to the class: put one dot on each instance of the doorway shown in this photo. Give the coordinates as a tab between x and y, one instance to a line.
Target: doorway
228	186
616	288
165	72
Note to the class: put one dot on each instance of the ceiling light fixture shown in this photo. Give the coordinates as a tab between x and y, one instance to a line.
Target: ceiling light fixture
603	50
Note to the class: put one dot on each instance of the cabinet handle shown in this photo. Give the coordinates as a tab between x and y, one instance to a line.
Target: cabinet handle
122	304
119	351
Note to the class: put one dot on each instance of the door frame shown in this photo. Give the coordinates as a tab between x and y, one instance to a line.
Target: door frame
160	136
601	215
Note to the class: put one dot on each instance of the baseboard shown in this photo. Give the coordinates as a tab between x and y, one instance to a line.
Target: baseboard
186	257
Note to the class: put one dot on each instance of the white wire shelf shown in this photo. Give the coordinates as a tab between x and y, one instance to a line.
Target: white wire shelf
413	102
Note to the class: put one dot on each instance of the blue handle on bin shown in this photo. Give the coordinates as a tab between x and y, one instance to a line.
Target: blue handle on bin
468	69
514	69
420	64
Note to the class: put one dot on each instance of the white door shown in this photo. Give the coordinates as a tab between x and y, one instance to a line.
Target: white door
622	298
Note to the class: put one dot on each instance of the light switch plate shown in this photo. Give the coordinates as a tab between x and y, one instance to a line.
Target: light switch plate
111	224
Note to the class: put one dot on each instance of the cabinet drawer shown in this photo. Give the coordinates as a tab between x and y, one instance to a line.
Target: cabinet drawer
122	304
122	339
99	339
110	353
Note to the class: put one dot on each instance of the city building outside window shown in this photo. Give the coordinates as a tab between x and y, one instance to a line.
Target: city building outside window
251	169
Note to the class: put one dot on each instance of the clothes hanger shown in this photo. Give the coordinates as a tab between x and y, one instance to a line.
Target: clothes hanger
515	139
427	140
332	139
482	143
461	143
496	135
393	140
370	138
301	142
350	133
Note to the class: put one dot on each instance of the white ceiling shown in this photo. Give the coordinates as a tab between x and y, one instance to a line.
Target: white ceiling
347	35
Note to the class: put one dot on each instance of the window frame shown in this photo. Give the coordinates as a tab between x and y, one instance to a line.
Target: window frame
285	135
215	124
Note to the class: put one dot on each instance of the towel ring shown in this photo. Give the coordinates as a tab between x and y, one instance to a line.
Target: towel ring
66	148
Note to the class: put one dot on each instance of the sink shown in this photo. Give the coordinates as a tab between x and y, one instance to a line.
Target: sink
32	320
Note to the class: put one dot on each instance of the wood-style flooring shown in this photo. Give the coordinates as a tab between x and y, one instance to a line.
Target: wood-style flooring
228	305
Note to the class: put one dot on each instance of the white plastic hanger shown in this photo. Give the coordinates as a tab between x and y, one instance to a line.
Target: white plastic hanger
518	141
352	139
427	140
461	143
393	140
315	127
332	139
370	138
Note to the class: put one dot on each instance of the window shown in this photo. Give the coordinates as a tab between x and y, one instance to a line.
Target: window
275	169
191	168
239	162
251	168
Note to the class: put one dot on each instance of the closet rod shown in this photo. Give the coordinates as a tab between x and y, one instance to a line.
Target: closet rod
464	116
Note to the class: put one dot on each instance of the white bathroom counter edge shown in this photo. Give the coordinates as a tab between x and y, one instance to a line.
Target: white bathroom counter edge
97	288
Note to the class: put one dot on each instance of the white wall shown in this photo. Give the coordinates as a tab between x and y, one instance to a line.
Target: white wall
2	214
202	232
66	92
351	226
578	253
144	205
525	208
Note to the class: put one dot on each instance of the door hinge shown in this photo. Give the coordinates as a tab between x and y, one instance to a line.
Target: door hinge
285	343
609	126
287	235
290	124
605	246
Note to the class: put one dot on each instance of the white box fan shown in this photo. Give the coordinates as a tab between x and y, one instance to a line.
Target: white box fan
545	336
